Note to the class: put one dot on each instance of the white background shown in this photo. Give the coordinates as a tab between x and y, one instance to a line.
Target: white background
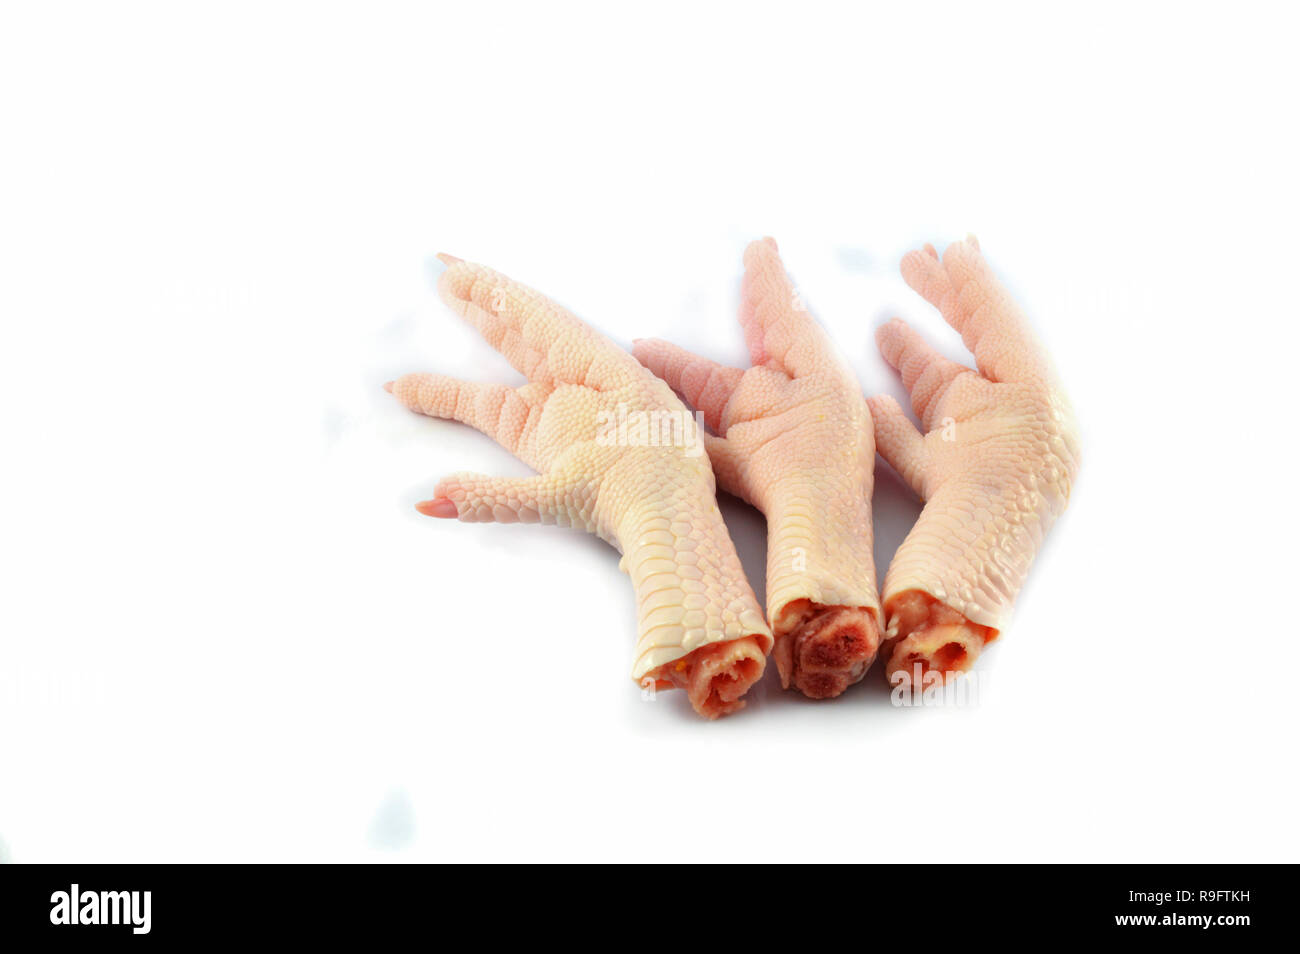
225	634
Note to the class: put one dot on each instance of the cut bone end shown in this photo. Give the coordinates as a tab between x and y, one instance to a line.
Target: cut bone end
929	636
715	676
822	650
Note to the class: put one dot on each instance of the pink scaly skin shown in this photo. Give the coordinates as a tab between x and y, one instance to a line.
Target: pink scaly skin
796	442
699	625
994	467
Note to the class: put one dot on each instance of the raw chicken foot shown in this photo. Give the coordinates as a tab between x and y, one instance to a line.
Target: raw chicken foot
796	442
699	624
994	467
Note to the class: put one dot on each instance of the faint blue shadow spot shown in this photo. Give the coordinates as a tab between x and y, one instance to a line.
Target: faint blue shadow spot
393	827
